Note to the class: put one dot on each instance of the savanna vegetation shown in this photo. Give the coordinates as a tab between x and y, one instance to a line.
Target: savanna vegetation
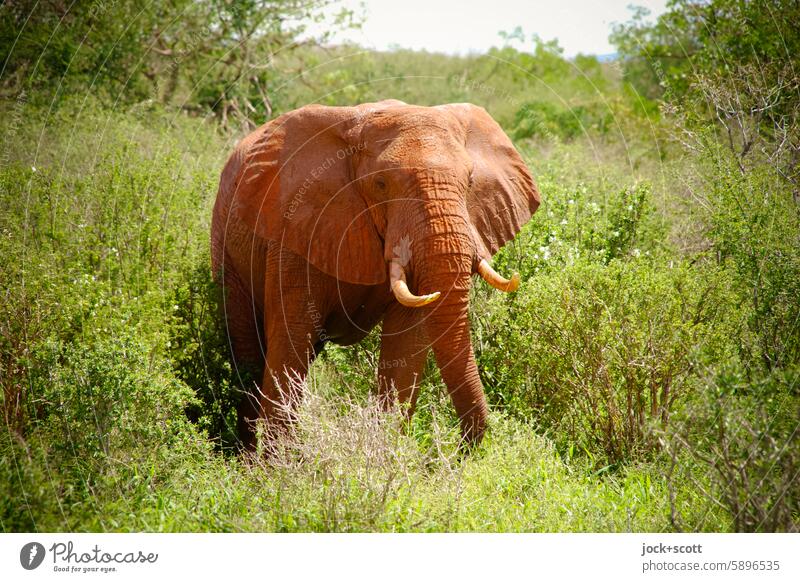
645	377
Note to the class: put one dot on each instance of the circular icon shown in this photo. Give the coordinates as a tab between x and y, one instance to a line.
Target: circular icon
31	555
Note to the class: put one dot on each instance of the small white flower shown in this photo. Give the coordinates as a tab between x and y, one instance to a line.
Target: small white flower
570	201
545	252
33	168
636	253
564	222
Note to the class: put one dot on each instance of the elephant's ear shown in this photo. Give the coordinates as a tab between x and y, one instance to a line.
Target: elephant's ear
503	195
295	187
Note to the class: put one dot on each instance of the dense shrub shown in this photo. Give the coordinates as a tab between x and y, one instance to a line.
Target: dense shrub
200	352
742	430
90	401
743	433
109	414
599	353
585	220
544	119
754	224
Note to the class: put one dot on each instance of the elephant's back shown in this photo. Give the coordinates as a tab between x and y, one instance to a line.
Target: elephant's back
228	233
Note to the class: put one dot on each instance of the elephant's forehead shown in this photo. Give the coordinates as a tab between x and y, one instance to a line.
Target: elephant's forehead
416	137
410	119
421	150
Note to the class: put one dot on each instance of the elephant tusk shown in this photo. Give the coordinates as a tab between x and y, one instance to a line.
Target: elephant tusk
401	292
495	279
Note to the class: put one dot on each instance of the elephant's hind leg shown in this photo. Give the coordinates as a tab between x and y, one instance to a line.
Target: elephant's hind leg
297	309
244	325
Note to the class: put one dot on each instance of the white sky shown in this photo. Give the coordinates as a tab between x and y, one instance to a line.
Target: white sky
459	27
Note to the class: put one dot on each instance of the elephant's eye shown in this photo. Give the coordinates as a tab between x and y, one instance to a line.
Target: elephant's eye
380	183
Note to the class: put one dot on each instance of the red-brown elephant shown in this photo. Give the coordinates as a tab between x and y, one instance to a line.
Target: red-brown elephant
330	219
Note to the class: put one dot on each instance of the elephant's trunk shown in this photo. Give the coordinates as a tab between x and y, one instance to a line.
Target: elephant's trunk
443	259
449	332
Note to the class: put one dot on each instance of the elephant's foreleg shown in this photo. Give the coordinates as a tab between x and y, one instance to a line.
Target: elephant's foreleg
404	349
288	360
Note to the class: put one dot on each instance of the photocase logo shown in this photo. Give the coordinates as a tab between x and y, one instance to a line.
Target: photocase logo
31	555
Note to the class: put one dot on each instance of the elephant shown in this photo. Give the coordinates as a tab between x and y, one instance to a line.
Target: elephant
330	220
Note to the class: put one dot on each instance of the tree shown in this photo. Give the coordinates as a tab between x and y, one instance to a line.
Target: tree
215	56
731	64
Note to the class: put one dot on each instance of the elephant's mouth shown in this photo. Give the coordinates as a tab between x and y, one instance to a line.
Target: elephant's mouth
405	297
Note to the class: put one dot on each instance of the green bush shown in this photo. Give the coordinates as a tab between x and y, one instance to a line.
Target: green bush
93	408
586	221
200	352
108	413
543	119
597	354
742	432
755	228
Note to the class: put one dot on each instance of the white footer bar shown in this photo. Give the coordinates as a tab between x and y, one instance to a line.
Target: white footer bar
411	557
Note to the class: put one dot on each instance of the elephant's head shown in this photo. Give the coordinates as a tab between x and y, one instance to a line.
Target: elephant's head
423	196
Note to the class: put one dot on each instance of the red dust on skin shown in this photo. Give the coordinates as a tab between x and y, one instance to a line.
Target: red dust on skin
311	210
